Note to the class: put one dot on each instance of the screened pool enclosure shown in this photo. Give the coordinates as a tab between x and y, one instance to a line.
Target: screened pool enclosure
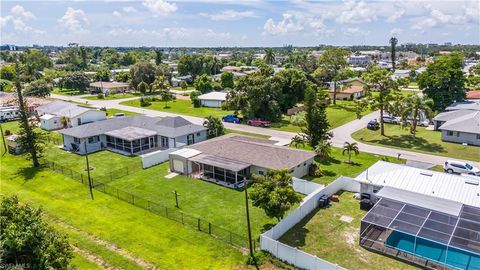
440	234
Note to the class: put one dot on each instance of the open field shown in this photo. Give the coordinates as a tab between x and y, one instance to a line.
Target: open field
180	106
112	112
227	131
217	204
68	92
157	240
112	96
426	141
323	234
335	166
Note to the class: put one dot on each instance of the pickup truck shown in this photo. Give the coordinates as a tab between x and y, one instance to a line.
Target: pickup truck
258	123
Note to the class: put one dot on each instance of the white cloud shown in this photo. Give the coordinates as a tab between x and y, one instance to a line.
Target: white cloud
438	18
129	9
230	15
18	19
287	24
396	31
117	14
74	20
5	20
355	31
19	11
160	7
356	12
218	35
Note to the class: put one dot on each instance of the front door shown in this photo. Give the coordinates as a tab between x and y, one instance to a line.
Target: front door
164	142
190	139
79	121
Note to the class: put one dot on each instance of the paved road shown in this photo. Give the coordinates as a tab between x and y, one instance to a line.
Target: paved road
340	134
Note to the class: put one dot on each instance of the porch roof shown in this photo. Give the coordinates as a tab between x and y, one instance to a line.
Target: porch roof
221	162
131	133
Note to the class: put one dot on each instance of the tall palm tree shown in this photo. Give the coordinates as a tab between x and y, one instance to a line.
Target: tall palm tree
298	140
393	45
65	121
350	148
323	149
417	104
269	56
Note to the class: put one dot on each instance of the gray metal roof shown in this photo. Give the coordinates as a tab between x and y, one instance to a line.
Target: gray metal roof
450	115
469	123
131	133
221	162
464	105
169	126
62	108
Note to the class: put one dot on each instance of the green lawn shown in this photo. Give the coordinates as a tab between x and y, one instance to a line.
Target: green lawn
112	112
181	89
339	114
162	242
323	234
227	131
68	92
219	205
180	106
113	96
426	141
335	166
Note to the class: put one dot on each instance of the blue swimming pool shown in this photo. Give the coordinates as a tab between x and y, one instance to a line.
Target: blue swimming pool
455	257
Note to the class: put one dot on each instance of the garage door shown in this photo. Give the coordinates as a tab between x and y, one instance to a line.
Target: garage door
178	166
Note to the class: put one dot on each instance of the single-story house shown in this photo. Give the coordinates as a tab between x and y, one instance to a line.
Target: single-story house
133	135
231	158
462	129
348	89
400	73
473	95
109	87
175	81
231	69
213	99
51	115
464	105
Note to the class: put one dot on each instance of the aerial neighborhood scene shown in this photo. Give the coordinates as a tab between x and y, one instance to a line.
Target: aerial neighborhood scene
248	134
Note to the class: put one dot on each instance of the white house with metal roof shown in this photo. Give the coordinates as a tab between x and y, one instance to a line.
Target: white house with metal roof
51	115
213	99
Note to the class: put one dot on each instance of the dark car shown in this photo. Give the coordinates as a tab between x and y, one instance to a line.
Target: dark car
258	123
231	118
373	125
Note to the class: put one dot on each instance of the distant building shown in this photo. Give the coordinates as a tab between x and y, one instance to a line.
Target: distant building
401	73
53	114
109	87
348	89
460	123
359	60
213	99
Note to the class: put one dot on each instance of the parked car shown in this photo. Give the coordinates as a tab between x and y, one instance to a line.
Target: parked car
231	118
391	119
258	122
454	166
119	115
373	125
421	123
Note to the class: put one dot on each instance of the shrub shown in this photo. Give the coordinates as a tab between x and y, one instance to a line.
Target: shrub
314	170
100	96
144	102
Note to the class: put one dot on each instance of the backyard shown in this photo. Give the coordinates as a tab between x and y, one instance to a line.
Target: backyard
68	92
328	234
180	106
426	141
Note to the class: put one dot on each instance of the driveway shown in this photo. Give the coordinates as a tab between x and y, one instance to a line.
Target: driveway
340	134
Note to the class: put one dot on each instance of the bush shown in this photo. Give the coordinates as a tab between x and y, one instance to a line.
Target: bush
315	171
100	96
259	258
144	102
195	100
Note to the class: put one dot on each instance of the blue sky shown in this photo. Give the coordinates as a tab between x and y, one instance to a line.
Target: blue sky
238	23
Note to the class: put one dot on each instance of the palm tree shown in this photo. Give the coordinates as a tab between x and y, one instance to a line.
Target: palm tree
269	56
323	149
65	121
416	104
393	44
350	148
298	140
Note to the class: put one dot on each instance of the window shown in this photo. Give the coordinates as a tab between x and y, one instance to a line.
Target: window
76	140
94	139
478	136
449	133
198	134
304	164
260	172
458	134
190	139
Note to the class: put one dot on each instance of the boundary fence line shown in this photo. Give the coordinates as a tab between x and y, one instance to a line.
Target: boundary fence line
171	213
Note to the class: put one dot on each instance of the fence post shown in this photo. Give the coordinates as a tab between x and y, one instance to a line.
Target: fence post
209	228
198	224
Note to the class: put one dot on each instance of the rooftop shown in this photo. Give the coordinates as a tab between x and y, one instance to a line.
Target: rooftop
109	85
62	108
469	123
464	105
473	94
131	133
214	96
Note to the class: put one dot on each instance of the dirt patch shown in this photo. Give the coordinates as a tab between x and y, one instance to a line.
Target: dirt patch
351	238
94	259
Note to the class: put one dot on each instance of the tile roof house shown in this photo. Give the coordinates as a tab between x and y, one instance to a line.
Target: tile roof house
52	114
474	94
348	89
133	135
230	158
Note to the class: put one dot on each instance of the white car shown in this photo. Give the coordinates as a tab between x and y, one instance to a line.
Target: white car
391	119
454	166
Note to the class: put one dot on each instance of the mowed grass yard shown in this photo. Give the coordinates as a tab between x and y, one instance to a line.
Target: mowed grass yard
68	92
323	234
426	141
216	204
180	106
112	96
157	240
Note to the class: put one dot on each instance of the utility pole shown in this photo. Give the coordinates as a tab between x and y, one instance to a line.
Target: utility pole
248	221
3	140
176	198
88	169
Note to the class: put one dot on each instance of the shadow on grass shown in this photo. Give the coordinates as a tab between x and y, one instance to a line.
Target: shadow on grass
282	123
408	141
328	161
27	173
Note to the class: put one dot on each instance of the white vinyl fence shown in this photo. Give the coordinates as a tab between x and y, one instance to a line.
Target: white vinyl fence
298	258
304	186
157	157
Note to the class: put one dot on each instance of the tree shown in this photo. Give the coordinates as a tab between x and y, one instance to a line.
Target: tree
393	45
265	69
102	75
28	240
293	83
35	60
378	79
65	121
332	62
143	72
76	81
166	96
416	105
298	119
158	57
214	126
195	100
350	148
273	193
38	88
142	87
227	80
299	139
443	81
183	85
159	84
323	149
317	124
8	73
28	139
203	83
122	76
269	56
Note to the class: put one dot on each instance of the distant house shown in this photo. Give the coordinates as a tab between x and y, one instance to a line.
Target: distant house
231	69
109	87
213	99
133	135
464	105
229	159
460	123
51	115
473	95
359	60
400	73
177	80
348	89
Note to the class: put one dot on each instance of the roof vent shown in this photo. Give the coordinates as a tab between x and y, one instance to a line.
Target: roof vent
426	174
472	180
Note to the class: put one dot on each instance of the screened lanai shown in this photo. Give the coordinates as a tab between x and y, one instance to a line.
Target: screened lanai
218	169
132	140
428	231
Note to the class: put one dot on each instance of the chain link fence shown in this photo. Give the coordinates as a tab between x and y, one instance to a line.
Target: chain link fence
100	183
